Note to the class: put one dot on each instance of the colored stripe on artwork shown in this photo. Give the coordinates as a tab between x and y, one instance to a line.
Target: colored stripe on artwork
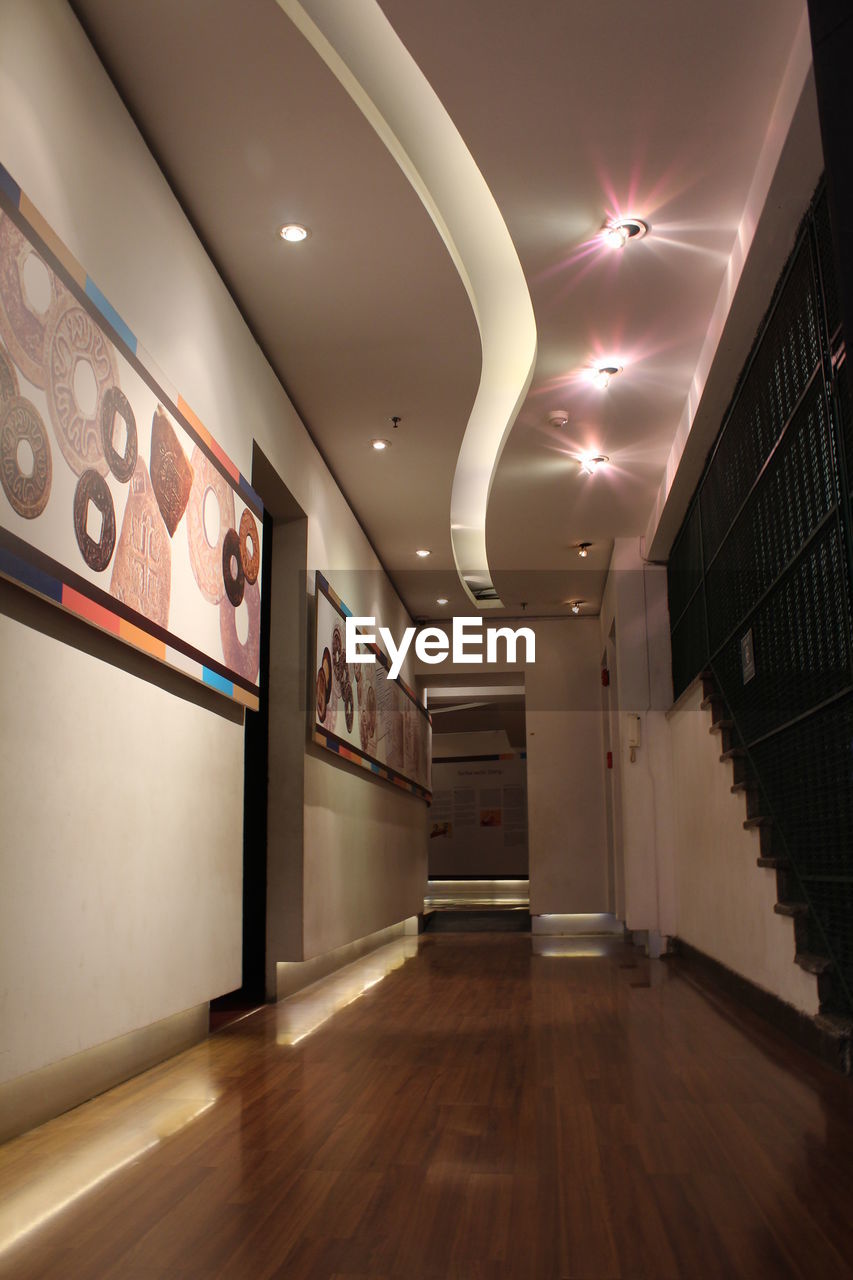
217	681
10	187
89	610
110	314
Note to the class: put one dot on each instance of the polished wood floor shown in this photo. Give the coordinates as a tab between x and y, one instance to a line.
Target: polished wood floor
457	1107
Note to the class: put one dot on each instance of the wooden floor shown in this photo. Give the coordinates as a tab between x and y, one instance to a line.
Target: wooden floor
471	1110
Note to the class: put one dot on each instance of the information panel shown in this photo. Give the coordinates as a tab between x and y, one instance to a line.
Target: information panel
359	712
478	821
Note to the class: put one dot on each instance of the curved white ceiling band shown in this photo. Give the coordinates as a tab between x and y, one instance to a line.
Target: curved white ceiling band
361	48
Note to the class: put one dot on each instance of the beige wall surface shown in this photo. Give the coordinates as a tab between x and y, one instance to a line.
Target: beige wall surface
121	788
724	901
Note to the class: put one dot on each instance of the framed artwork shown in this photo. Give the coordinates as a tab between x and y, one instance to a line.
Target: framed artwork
359	712
115	501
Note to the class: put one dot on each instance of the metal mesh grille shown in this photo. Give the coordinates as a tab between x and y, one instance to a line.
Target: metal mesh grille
795	494
808	769
844	403
685	565
777	373
800	639
689	644
777	558
832	904
826	259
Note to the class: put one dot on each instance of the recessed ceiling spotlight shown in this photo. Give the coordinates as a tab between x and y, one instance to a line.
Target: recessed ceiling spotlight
583	549
603	374
422	552
616	234
293	232
558	418
576	605
441	600
379	445
590	462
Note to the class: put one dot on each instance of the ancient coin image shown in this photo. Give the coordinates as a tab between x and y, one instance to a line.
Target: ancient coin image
8	376
26	468
349	706
29	295
116	404
250	546
210	514
82	366
171	474
232	570
92	492
337	658
326	667
321	695
244	657
142	572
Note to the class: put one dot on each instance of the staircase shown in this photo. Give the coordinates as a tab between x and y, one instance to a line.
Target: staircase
835	1026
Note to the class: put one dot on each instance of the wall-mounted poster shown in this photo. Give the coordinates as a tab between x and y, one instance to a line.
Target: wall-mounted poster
115	502
478	822
361	714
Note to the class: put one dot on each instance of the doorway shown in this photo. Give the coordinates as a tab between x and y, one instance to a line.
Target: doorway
478	861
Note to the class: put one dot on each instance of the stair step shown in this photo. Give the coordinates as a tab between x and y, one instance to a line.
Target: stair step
837	1025
748	785
733	753
708	704
751	824
792	909
719	725
774	864
812	963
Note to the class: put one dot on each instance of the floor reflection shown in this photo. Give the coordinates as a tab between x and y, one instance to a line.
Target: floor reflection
85	1148
303	1013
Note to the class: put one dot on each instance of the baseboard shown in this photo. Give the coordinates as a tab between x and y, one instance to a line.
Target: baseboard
294	975
827	1038
30	1100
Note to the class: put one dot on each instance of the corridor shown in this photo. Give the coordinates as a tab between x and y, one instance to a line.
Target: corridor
482	1107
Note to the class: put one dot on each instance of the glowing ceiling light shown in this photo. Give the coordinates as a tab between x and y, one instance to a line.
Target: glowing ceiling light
441	600
293	232
379	445
603	374
583	549
576	606
423	553
617	234
590	462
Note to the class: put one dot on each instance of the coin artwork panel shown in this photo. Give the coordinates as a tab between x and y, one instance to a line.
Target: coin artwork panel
142	573
29	294
82	368
25	462
211	498
116	408
171	474
109	491
359	712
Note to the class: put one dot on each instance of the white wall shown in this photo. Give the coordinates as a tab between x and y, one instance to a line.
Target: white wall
689	867
634	611
121	790
724	901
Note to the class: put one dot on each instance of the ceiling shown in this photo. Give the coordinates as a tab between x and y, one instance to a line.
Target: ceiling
573	113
